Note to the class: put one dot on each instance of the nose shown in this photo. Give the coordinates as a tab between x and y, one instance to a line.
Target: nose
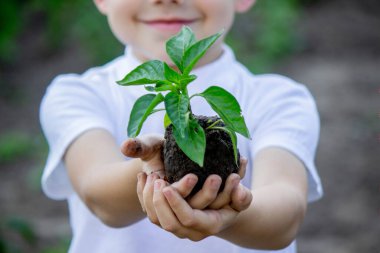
166	1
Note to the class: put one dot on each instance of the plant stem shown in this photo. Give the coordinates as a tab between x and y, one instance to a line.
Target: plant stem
213	124
186	93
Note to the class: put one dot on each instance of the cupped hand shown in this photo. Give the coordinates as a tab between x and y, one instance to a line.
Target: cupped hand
204	214
233	194
174	214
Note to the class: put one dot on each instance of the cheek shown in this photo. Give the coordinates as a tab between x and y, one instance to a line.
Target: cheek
121	23
219	13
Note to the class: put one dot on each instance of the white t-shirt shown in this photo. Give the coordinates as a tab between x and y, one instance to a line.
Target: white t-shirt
278	112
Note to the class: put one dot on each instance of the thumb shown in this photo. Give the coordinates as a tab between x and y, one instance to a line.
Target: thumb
144	147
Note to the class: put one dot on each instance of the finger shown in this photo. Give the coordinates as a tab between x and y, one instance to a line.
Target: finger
185	185
207	194
144	147
141	181
224	198
148	198
148	149
243	166
168	219
207	222
180	207
165	215
241	198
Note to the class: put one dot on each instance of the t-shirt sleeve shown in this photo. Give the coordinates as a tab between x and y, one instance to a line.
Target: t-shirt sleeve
289	119
70	107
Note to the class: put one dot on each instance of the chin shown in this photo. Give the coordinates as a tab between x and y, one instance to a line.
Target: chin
146	55
162	56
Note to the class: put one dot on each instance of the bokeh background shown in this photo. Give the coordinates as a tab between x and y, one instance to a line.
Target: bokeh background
333	47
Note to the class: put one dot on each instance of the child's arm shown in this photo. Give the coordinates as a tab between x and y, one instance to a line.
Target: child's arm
270	222
104	180
279	202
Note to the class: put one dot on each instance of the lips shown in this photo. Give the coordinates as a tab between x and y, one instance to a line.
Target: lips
171	25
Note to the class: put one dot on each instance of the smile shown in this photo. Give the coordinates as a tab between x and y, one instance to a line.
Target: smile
170	25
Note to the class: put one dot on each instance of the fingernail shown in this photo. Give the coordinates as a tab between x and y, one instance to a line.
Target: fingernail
191	180
236	180
215	183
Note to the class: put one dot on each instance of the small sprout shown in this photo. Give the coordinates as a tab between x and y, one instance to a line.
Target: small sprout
157	76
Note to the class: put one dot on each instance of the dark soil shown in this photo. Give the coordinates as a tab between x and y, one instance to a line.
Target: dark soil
219	156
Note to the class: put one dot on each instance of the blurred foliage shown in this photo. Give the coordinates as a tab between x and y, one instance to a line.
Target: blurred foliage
95	34
23	228
61	247
18	235
10	26
264	35
15	145
62	21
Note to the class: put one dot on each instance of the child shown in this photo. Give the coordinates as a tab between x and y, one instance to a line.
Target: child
84	118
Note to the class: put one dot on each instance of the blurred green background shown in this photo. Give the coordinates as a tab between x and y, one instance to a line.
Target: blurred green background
331	46
80	21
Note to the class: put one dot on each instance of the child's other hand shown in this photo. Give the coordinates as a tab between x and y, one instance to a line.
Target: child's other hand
148	149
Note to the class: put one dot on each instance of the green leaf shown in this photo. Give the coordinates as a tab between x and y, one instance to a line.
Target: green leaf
171	74
141	110
177	108
164	87
186	80
167	121
196	51
156	110
146	73
227	107
149	88
178	44
193	143
233	137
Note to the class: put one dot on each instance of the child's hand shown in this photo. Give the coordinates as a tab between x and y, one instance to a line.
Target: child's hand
166	206
148	149
208	196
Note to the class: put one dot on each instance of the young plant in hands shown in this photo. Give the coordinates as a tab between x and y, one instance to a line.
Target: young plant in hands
193	144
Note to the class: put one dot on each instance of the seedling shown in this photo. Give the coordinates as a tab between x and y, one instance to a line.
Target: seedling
169	85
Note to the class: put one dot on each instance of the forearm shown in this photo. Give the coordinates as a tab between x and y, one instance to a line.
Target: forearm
109	191
103	179
271	221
